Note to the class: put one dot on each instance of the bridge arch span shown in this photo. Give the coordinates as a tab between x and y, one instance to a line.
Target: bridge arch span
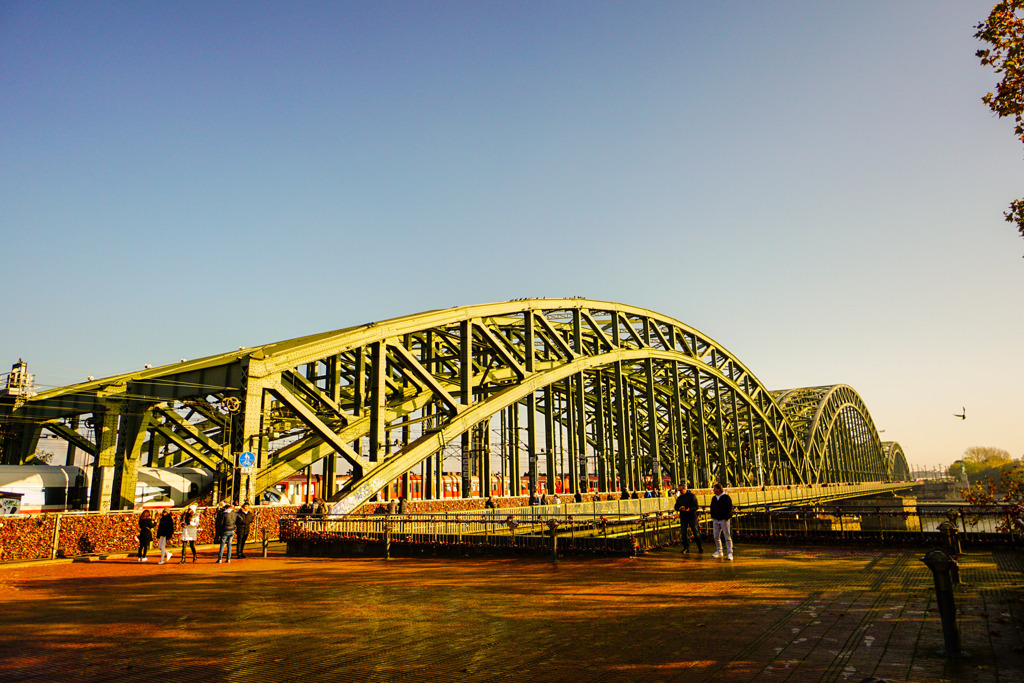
576	389
896	461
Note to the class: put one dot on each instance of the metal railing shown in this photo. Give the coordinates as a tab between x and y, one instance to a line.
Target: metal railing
636	526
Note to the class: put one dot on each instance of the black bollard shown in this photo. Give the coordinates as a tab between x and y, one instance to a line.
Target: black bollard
265	539
942	565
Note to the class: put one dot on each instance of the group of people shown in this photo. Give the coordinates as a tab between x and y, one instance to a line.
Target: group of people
230	525
233	525
314	507
721	516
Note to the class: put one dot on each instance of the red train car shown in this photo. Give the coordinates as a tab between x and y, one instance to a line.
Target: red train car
295	487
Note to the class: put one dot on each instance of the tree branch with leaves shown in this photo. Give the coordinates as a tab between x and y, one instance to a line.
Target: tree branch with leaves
1003	31
1008	493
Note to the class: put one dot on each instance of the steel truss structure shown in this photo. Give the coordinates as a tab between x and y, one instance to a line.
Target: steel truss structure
582	389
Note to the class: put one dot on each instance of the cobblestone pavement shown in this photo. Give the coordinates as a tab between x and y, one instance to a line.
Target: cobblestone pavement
775	614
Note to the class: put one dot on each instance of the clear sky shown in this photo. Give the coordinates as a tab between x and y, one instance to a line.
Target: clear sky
816	185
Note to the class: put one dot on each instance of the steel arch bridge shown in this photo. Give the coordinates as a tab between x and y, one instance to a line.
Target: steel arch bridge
570	387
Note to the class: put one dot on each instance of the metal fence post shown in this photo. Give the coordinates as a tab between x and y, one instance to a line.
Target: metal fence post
553	527
56	538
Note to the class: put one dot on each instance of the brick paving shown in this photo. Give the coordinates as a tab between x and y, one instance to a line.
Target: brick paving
775	614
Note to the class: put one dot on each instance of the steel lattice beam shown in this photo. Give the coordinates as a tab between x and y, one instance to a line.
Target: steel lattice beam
634	392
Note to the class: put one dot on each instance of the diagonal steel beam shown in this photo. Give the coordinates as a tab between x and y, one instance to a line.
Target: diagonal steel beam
309	387
598	332
422	374
180	423
501	350
553	334
72	437
179	441
307	415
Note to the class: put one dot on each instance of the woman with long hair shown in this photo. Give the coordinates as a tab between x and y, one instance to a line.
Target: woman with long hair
189	530
146	525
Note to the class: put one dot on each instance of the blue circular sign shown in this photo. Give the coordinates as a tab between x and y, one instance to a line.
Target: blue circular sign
247	459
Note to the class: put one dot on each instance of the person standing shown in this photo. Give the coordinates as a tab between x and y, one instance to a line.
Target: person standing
721	514
246	518
189	530
146	525
226	525
686	506
164	532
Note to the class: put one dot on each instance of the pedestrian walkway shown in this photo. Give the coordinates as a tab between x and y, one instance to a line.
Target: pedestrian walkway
775	614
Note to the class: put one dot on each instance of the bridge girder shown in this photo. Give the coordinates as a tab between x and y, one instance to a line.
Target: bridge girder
839	435
625	388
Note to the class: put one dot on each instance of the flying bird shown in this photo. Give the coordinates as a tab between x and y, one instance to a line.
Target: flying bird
962	415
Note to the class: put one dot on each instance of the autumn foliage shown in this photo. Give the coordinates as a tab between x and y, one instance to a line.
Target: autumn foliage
1008	493
1003	31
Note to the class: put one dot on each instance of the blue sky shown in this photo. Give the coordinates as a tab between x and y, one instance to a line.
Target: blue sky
815	185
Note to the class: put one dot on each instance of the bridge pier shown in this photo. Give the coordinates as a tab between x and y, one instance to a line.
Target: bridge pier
893	509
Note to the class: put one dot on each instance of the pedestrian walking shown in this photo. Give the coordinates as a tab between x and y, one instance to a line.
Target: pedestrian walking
686	506
146	525
164	532
721	514
189	531
246	519
226	525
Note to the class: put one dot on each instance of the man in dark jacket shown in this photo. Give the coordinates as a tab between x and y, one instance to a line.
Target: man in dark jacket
225	526
686	505
243	524
721	513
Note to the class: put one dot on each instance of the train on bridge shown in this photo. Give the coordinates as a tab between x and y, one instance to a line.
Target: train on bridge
50	488
299	487
46	488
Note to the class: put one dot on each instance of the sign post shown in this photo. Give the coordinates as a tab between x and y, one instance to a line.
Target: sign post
247	463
